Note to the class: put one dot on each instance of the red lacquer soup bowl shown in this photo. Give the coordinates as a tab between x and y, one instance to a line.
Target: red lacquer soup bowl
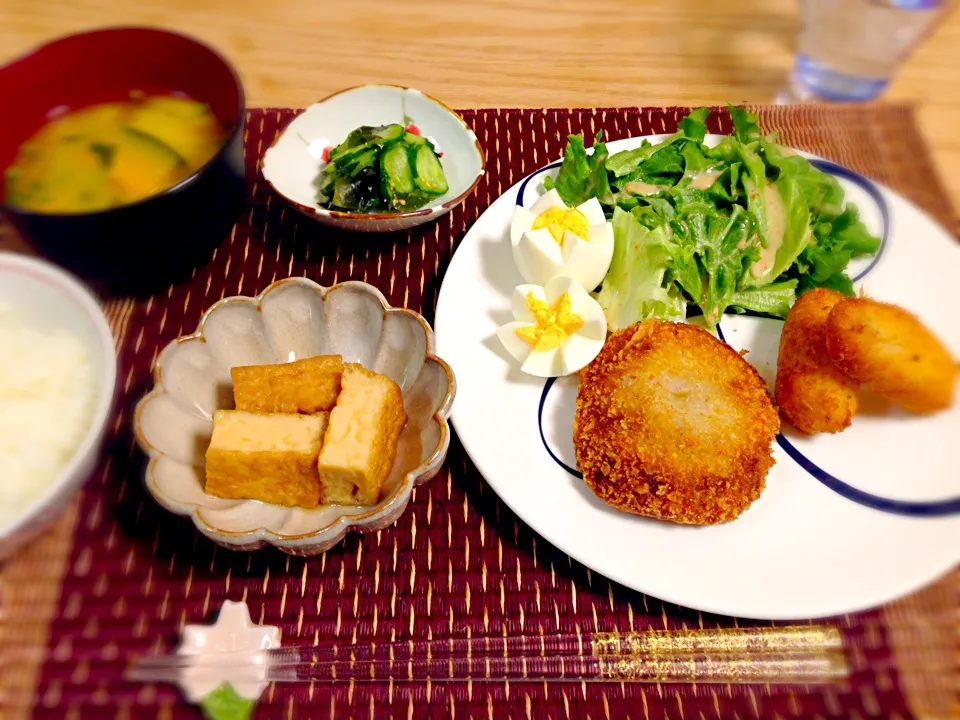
142	245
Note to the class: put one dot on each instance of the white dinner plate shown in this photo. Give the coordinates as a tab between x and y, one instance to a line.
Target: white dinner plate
846	522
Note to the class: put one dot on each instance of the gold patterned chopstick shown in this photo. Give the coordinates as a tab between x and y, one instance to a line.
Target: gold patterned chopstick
794	638
730	642
793	668
755	668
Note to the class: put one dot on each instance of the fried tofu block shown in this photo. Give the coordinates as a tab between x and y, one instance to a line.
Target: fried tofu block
360	444
304	386
270	457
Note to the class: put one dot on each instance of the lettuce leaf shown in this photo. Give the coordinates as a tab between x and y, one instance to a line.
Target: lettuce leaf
728	187
627	161
774	299
666	161
750	167
582	176
746	126
840	283
836	242
637	286
694	125
821	190
787	221
710	259
664	157
694	159
661	209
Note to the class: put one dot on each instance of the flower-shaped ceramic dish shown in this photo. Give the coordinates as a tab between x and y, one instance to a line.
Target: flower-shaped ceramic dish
292	164
292	319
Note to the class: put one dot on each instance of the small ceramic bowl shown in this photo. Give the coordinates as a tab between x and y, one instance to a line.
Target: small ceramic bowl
290	320
291	165
47	299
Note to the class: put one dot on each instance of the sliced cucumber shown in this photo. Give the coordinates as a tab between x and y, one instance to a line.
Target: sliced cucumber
348	156
386	133
427	170
354	139
410	139
396	177
359	161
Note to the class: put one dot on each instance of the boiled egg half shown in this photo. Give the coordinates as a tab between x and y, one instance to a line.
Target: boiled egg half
557	329
551	239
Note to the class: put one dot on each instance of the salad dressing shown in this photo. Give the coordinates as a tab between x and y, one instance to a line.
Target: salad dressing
638	187
703	180
776	227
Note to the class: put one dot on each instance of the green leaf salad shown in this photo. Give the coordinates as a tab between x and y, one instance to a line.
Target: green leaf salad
745	226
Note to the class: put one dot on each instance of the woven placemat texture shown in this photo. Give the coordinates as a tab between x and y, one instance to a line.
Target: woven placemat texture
119	576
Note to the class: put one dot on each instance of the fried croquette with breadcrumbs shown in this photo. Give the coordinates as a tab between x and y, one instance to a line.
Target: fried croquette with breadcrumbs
889	350
812	393
674	424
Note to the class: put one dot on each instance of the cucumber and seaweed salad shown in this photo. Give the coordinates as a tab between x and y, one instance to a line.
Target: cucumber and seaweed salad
381	169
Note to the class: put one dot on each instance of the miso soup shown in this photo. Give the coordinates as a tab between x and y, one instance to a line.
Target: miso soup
112	154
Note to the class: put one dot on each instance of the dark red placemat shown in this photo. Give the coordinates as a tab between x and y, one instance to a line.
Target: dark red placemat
457	563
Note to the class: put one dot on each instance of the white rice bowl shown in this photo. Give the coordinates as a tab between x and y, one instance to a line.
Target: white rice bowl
57	378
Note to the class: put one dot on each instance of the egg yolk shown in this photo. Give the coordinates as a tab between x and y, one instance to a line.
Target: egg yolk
552	325
558	220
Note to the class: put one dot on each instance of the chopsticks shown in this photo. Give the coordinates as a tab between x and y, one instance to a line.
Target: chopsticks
804	668
799	654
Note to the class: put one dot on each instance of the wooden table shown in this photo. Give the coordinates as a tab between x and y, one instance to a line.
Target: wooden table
488	53
509	53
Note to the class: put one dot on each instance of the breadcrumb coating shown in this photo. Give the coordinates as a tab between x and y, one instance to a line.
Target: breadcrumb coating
888	349
812	393
674	424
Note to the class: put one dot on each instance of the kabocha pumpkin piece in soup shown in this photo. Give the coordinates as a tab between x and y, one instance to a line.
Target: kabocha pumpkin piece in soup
306	386
74	177
183	125
140	165
360	444
672	423
269	457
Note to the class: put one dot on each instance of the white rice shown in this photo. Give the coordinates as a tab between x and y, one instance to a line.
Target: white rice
47	393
